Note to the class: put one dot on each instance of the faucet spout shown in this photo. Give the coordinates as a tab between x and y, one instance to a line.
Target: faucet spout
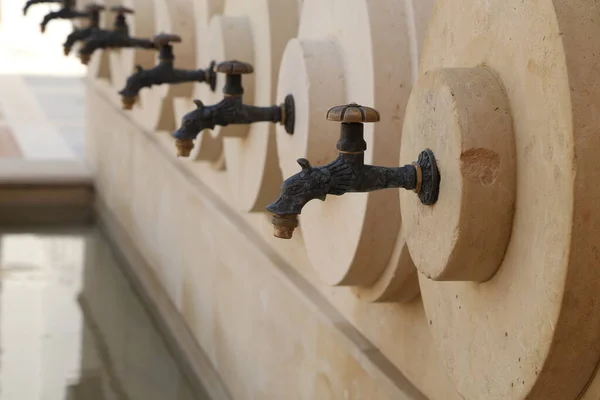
30	3
78	35
346	174
311	183
63	13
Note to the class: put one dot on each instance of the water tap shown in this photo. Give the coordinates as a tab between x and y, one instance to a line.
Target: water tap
67	11
79	35
118	37
164	72
230	110
348	172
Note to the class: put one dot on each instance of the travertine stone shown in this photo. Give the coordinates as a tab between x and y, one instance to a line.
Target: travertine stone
141	25
354	239
252	166
206	147
145	186
232	291
462	113
231	39
99	66
155	111
313	72
531	332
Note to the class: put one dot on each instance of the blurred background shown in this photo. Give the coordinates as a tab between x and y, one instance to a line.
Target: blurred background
41	93
72	325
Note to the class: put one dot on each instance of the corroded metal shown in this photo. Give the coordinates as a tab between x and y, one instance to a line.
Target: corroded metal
67	11
164	72
348	172
352	113
235	68
231	110
79	35
118	37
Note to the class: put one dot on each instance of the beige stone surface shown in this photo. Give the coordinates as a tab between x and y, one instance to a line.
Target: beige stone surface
142	25
218	290
154	110
254	31
99	65
251	161
530	332
464	114
232	39
270	314
206	147
353	240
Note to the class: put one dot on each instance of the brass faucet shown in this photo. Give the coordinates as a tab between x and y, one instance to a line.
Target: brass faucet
79	35
67	11
348	173
116	38
230	110
164	72
30	3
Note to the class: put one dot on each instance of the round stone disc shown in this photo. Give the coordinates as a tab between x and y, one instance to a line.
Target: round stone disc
531	331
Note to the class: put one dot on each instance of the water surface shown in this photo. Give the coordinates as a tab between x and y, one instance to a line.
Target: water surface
73	328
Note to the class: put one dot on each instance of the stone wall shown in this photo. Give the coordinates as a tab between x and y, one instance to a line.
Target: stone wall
341	310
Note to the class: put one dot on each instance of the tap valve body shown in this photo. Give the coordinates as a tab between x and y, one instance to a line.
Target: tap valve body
79	35
348	172
120	25
117	38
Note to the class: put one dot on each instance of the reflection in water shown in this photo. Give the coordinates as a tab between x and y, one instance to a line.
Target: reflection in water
72	328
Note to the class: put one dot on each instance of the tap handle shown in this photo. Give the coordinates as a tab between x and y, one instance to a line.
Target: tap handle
235	68
352	117
234	71
120	24
352	113
164	39
121	10
94	8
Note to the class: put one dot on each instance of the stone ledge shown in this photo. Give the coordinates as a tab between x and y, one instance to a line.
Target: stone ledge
45	193
42	172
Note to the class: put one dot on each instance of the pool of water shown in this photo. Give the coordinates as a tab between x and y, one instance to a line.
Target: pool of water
73	328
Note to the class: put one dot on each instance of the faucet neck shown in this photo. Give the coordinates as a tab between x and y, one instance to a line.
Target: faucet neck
94	19
166	54
352	138
233	85
120	25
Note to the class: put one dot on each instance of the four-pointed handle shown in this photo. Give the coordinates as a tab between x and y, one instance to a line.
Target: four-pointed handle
164	39
235	68
122	10
352	113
